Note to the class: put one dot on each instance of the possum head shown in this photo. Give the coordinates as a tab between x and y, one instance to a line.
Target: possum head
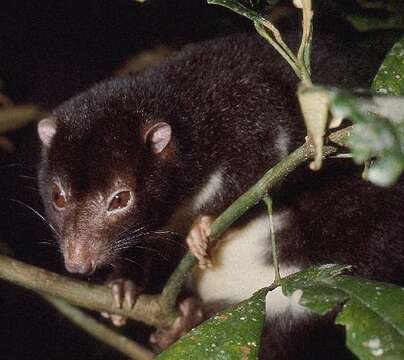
100	181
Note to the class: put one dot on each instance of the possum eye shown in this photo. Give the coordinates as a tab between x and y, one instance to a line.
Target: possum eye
119	201
58	197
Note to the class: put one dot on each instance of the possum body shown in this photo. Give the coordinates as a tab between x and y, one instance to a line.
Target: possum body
135	156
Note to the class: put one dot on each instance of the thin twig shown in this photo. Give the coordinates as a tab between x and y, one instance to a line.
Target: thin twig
303	55
274	249
100	331
291	60
278	38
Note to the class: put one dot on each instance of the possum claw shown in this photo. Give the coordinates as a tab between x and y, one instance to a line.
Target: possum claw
191	316
126	292
198	242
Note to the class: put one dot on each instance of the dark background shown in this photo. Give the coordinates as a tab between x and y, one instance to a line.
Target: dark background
50	50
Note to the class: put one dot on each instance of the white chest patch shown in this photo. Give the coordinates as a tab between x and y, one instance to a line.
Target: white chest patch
241	264
209	191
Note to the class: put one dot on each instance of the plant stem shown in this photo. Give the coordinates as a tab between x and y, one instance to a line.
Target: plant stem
304	53
100	331
268	202
286	54
249	199
93	297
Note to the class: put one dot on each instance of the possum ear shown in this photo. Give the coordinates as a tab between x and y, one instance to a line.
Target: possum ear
47	130
158	136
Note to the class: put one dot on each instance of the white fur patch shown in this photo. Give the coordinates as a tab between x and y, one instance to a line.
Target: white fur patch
209	191
280	220
277	303
241	264
282	143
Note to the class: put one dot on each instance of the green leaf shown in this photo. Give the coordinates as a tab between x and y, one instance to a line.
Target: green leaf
378	132
390	77
232	334
242	9
315	107
372	312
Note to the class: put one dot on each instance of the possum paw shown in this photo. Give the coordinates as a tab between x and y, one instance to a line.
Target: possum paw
198	242
126	292
191	316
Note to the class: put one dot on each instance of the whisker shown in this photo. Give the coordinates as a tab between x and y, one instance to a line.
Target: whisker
12	165
134	262
131	228
36	213
31	188
166	232
121	247
154	251
126	240
178	242
49	243
27	177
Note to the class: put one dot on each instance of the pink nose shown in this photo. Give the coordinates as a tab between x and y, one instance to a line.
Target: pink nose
83	267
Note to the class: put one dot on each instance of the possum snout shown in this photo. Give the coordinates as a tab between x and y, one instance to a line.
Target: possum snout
83	266
79	258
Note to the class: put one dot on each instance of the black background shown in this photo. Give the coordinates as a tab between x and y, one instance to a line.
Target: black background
50	50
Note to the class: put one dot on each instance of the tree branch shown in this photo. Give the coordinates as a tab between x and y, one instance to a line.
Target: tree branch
93	297
100	331
159	310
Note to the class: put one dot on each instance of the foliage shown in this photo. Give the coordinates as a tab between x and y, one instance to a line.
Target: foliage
378	133
231	334
372	312
300	63
390	77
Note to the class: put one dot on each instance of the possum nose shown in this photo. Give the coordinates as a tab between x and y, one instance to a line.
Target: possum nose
82	267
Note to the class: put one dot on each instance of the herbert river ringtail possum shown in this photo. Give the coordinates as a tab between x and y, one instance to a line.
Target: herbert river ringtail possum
133	160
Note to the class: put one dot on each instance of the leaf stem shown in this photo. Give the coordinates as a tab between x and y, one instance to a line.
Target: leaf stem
304	52
285	52
268	202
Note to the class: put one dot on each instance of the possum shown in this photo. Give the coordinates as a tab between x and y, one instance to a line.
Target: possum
134	161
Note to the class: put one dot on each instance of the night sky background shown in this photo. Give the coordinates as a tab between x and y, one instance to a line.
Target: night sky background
50	50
